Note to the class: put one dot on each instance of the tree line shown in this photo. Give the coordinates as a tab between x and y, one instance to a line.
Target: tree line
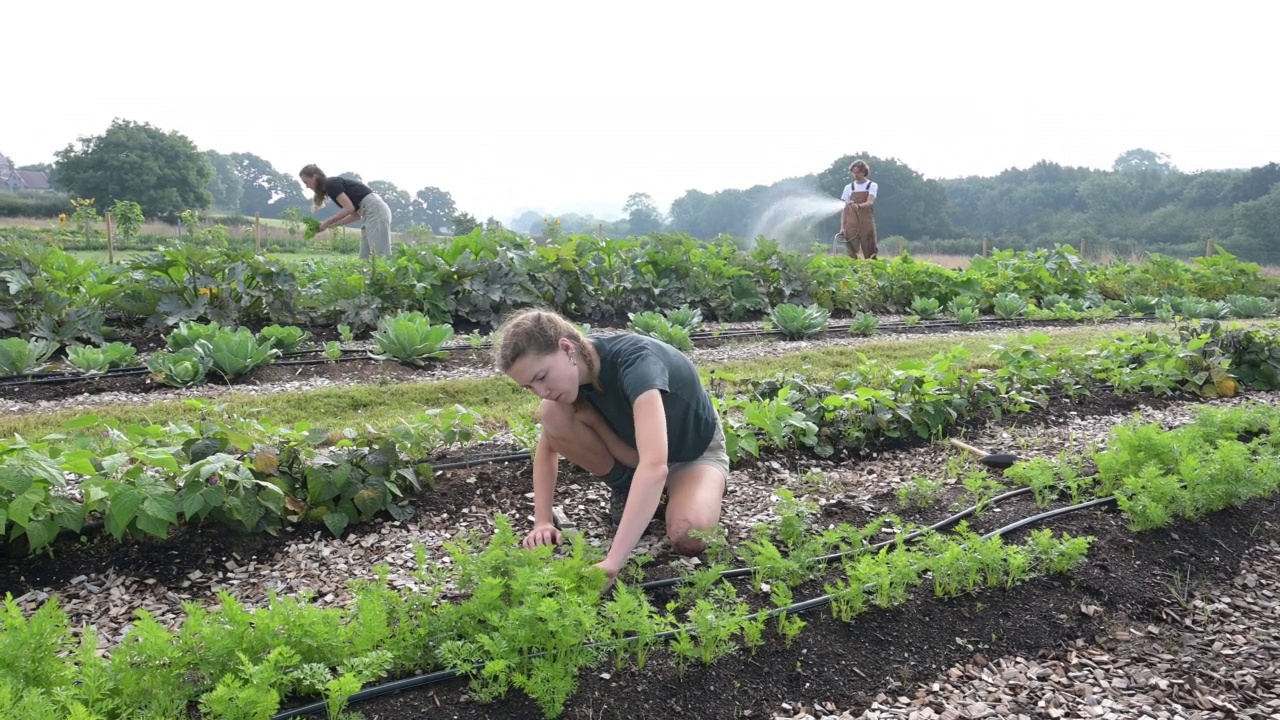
1142	202
166	174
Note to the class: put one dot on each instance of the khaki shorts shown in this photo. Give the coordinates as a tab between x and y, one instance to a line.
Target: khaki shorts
715	455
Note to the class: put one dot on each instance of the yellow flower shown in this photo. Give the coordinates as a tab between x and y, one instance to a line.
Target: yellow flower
62	219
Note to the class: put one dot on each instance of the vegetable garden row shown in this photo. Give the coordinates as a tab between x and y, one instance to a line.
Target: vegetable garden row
50	295
256	476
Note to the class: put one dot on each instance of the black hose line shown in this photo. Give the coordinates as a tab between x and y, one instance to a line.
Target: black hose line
1047	515
516	457
53	380
916	534
802	606
378	691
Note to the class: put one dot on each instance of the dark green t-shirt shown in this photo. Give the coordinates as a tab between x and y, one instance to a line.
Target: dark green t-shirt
632	364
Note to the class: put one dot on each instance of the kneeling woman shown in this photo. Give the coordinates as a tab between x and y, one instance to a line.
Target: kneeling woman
631	411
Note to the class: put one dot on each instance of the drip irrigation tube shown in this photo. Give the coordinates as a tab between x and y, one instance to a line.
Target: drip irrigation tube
515	457
940	525
440	676
1047	516
123	372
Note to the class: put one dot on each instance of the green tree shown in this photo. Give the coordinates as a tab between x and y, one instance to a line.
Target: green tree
690	214
226	187
399	201
643	216
1258	224
1140	160
1107	197
128	218
464	223
433	208
266	190
528	221
1250	185
163	172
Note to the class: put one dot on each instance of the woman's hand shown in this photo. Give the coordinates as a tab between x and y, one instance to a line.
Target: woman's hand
542	534
610	571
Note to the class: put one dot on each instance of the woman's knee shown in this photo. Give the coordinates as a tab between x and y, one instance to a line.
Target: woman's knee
680	535
557	419
682	527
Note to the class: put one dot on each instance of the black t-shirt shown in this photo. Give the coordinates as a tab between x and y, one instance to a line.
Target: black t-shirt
632	364
357	191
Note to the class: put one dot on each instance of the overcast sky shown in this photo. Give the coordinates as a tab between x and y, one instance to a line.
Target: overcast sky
565	106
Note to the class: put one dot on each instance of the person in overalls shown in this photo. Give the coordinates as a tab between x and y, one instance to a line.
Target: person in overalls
858	220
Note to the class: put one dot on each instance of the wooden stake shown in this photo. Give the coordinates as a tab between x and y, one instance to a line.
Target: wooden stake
985	249
1208	247
111	239
561	519
1082	246
257	232
967	447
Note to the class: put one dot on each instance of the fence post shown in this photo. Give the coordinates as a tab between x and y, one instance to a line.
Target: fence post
1082	247
257	232
984	247
111	239
1208	247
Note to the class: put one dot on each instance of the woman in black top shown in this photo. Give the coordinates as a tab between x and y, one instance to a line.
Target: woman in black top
355	202
630	410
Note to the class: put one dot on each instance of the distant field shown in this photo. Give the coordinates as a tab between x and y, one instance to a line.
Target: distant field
955	262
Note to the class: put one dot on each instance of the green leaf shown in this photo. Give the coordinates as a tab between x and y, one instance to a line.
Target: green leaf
83	421
80	462
158	457
94	494
111	463
162	507
41	533
153	525
251	513
370	501
200	448
336	521
214	495
122	509
191	503
22	506
316	436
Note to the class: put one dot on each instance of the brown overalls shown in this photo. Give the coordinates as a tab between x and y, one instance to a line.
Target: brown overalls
858	225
